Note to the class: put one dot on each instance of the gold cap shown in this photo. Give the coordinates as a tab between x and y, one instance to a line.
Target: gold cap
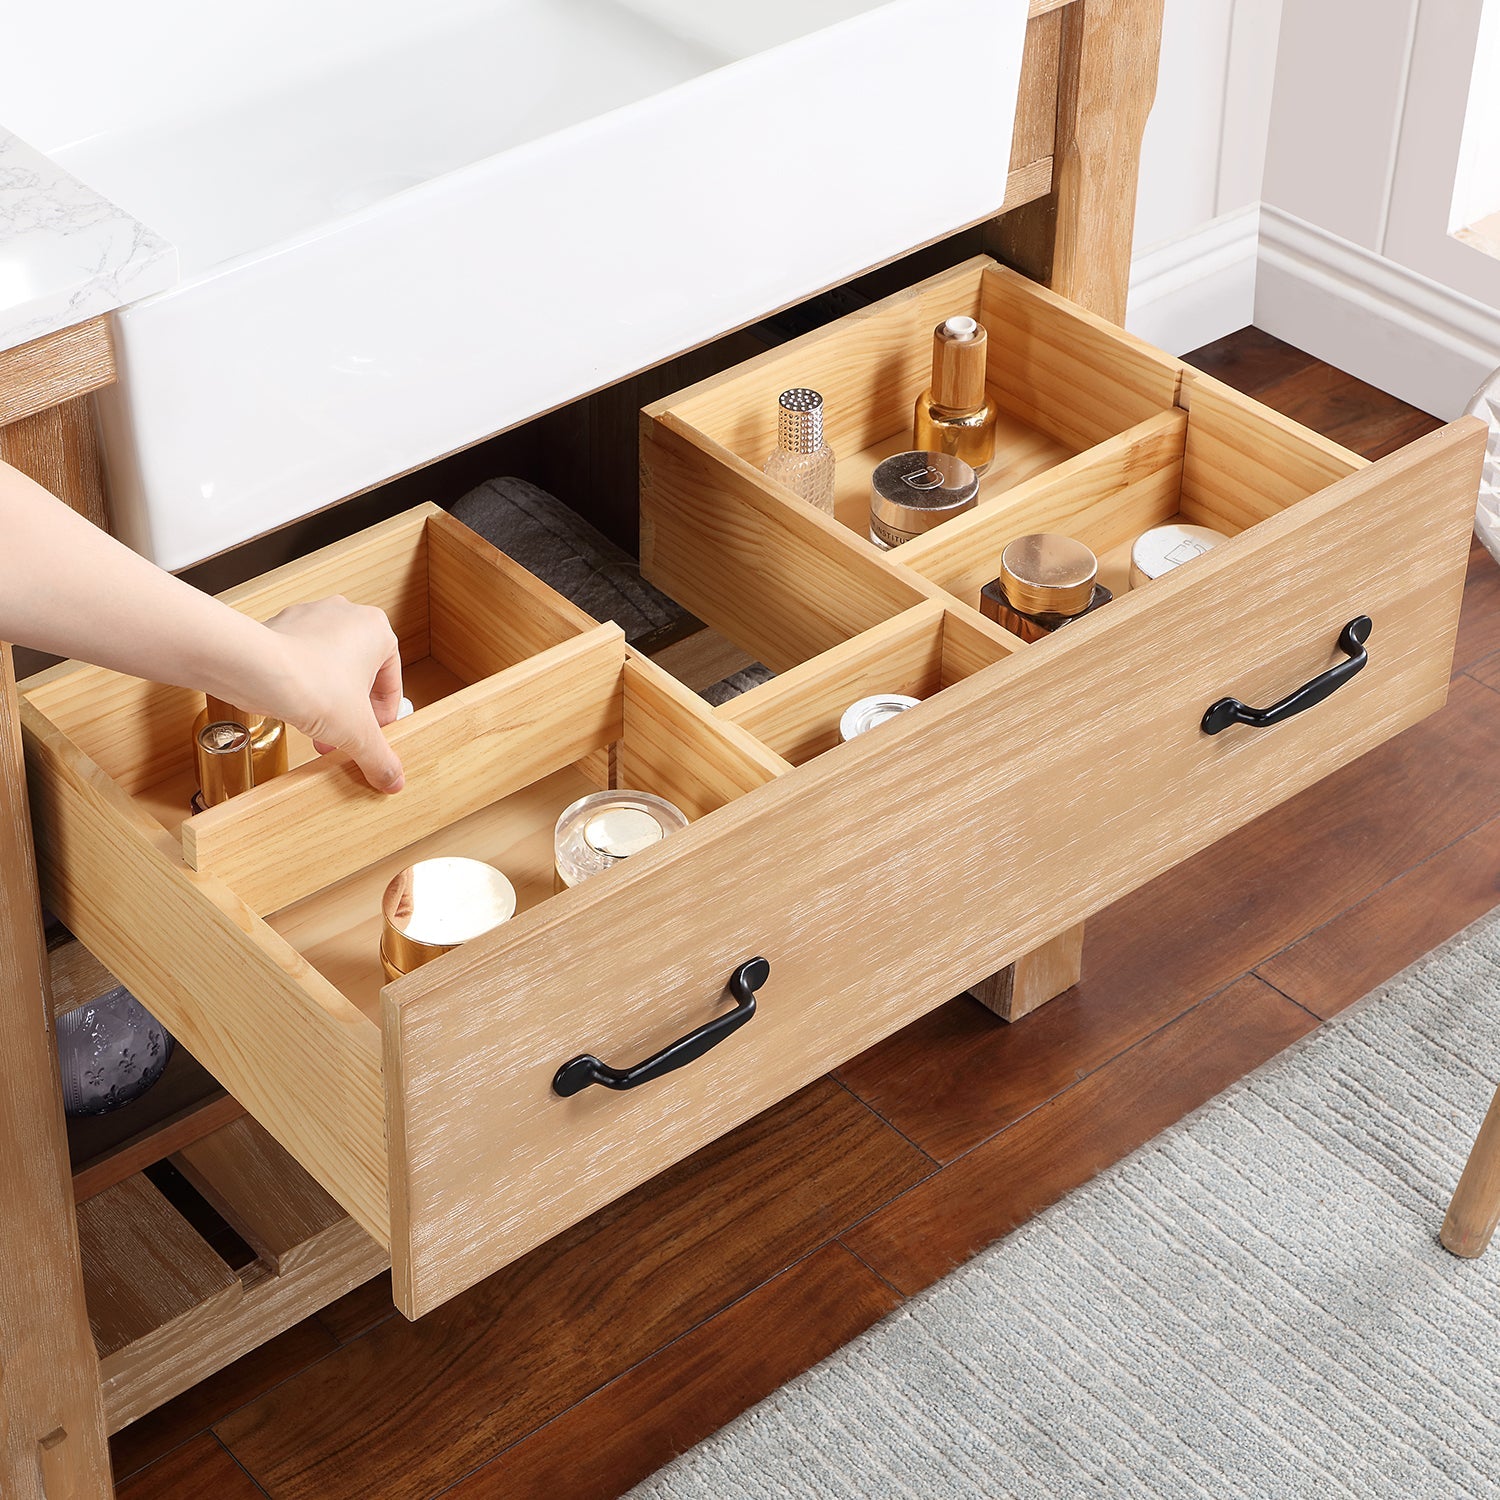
958	353
1048	574
224	765
436	904
268	741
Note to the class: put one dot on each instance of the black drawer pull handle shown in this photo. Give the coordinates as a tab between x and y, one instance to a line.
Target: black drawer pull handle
580	1072
1352	638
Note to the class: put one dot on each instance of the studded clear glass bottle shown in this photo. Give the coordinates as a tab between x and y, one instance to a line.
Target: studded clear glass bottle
802	461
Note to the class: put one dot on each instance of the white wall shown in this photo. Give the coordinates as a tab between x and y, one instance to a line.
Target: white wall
1358	263
1198	207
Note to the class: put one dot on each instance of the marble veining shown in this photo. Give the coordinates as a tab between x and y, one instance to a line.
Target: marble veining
66	253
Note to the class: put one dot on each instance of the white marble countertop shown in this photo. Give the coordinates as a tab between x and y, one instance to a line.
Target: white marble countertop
66	253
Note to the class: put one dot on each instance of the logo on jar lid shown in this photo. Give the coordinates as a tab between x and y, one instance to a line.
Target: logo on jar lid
927	478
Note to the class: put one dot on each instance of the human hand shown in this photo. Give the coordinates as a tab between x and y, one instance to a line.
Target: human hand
342	682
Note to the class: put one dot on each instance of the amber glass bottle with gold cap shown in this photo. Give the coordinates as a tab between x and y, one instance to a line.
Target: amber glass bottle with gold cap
268	748
955	416
1045	581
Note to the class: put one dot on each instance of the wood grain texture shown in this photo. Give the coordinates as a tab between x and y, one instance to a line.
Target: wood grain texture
57	367
684	1392
1106	495
1478	645
1035	978
582	974
322	1269
1244	462
797	713
292	1050
273	1205
59	448
77	977
1063	369
49	1378
1035	128
487	612
385	1415
148	1277
673	745
954	1078
1474	1212
1106	84
201	1467
782	582
999	1185
173	1423
460	754
1344	959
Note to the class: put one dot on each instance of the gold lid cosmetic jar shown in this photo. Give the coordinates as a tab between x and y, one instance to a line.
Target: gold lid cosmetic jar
1163	548
910	493
864	715
436	904
1045	581
598	831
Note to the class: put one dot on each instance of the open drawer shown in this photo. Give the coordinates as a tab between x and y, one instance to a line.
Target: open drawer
1031	786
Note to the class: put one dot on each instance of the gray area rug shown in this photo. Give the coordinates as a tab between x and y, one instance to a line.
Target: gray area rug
1255	1304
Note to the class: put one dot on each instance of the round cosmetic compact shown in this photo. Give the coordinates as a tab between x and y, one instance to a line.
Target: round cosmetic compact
598	831
868	712
1045	581
910	493
436	904
1163	548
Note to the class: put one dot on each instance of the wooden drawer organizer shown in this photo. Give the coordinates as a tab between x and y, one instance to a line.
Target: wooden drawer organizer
1036	783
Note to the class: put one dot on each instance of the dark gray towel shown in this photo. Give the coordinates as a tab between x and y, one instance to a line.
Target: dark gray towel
737	683
567	553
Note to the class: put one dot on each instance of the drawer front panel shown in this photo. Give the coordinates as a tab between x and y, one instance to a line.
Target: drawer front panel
903	867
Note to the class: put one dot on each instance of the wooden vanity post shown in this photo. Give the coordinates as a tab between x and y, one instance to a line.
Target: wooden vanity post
52	1443
1077	239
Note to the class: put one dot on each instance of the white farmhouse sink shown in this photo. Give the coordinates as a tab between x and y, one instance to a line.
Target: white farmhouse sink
403	228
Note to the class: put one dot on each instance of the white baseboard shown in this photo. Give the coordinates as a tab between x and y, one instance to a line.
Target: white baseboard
1380	321
1195	289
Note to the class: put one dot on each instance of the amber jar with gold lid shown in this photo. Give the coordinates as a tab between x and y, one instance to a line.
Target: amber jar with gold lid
1045	580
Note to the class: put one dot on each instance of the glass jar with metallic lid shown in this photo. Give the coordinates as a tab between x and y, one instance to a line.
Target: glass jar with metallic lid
436	904
864	715
1164	548
598	831
1045	581
910	493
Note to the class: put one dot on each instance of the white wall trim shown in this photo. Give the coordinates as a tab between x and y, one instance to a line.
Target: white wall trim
1194	289
1388	325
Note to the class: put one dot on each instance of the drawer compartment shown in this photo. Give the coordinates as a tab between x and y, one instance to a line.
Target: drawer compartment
1031	786
264	960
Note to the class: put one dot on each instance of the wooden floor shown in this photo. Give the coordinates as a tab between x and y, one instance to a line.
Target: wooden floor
581	1369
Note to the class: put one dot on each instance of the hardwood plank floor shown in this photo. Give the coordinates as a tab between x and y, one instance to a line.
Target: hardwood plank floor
592	1361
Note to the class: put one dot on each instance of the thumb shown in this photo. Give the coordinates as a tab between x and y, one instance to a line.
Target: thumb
377	761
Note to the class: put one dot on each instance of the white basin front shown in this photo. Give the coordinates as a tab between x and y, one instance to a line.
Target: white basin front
402	229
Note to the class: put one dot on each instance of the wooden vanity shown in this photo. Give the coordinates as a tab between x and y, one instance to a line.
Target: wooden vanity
960	846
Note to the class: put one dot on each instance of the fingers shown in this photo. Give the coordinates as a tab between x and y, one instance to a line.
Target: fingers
377	761
385	693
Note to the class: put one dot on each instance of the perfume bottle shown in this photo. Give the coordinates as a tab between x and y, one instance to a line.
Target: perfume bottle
224	754
955	415
802	461
268	745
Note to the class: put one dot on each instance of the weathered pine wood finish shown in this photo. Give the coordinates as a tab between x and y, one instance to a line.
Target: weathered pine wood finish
260	1009
52	1429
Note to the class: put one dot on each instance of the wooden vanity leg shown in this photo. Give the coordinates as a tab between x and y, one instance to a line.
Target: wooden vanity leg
1475	1209
1035	977
1078	240
52	1437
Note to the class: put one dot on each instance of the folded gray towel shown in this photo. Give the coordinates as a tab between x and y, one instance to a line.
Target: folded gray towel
737	683
568	554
